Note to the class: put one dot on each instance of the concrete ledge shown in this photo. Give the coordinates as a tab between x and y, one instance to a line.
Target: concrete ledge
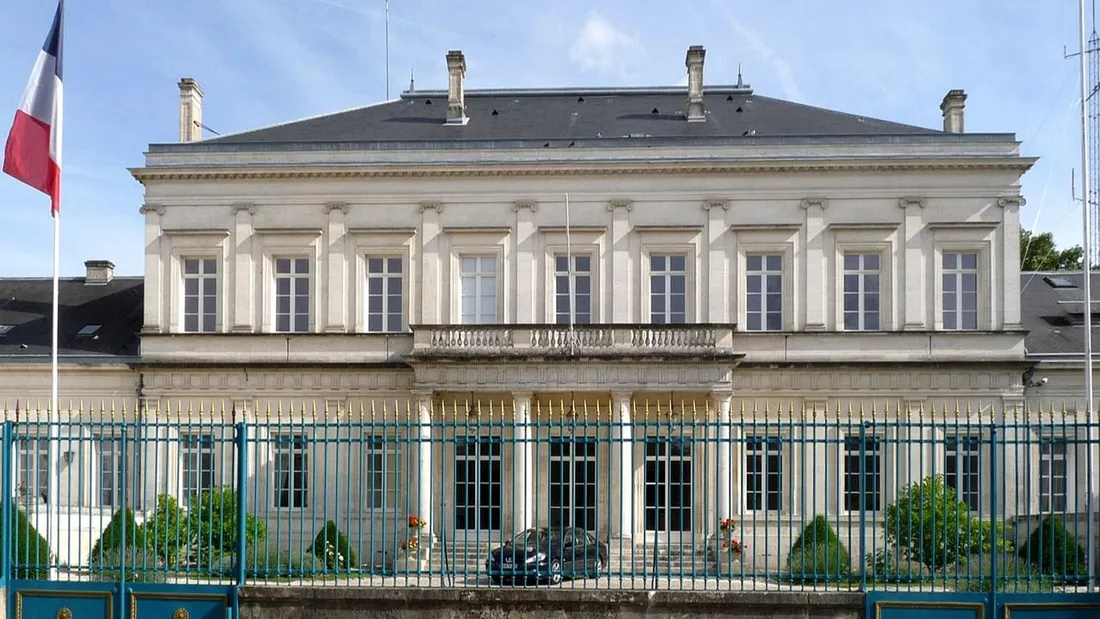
421	603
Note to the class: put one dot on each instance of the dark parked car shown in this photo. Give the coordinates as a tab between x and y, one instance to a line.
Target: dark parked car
547	554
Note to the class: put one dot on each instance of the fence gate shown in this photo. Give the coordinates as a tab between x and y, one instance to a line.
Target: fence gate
953	605
91	559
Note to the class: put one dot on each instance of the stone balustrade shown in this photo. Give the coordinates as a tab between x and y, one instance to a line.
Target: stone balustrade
588	339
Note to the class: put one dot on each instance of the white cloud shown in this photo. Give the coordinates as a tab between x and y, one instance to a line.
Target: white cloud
756	44
602	47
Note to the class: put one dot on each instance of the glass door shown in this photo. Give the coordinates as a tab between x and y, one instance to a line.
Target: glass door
668	488
573	490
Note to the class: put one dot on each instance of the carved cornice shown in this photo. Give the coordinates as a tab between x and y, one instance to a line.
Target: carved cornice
435	206
530	205
908	201
247	207
238	173
336	206
812	202
151	208
1017	201
716	203
614	204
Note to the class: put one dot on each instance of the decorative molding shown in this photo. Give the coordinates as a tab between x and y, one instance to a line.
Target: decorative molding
249	207
715	204
435	206
290	231
651	228
1017	201
807	203
614	204
765	227
1013	164
336	206
195	232
869	225
151	208
530	205
908	201
963	225
550	377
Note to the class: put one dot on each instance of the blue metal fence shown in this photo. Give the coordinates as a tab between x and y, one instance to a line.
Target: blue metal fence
566	494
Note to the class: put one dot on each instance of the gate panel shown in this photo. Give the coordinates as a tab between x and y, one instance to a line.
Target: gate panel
179	602
1048	606
44	600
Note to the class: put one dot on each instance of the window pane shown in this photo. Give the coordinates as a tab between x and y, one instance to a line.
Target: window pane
282	322
970	261
851	262
871	262
753	283
374	265
851	283
394	323
374	304
489	286
969	282
851	321
851	302
469	265
775	263
190	305
210	286
753	262
210	266
394	285
677	263
488	265
209	305
190	286
301	286
676	304
282	285
584	263
583	285
191	323
870	322
870	283
561	284
374	322
282	305
301	265
657	263
282	265
775	322
950	261
301	323
774	303
657	284
395	265
775	283
374	286
753	302
208	323
677	284
871	302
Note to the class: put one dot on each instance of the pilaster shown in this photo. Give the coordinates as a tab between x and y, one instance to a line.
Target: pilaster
336	257
1010	241
430	267
724	482
622	451
523	473
242	290
155	291
717	289
912	271
620	288
525	297
815	263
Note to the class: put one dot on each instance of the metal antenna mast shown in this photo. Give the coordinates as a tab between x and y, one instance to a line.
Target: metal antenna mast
387	49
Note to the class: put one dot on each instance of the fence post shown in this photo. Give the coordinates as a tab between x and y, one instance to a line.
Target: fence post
122	501
993	515
242	507
5	526
863	505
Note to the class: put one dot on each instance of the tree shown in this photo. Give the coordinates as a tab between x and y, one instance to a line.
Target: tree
1039	253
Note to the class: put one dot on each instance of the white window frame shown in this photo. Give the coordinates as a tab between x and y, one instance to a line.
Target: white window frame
771	240
764	272
878	491
386	276
272	243
109	447
978	239
668	273
572	275
763	446
480	277
478	241
32	464
583	241
953	450
366	243
871	238
298	444
200	276
194	447
666	241
389	448
1047	453
293	276
181	244
860	272
958	272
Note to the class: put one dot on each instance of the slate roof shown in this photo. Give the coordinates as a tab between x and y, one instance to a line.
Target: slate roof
26	304
574	114
1052	315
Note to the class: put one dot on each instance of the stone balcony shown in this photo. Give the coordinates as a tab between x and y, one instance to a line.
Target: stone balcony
697	341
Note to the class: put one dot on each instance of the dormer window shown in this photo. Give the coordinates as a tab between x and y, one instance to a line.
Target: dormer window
88	330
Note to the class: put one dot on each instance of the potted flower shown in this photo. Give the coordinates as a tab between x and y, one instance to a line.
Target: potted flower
729	550
416	554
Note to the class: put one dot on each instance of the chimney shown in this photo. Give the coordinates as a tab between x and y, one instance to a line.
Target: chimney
952	107
98	272
190	110
694	63
456	89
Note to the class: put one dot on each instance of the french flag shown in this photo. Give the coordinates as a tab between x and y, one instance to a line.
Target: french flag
33	151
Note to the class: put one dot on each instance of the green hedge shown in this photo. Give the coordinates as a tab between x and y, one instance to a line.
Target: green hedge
30	552
818	555
1055	551
111	538
333	549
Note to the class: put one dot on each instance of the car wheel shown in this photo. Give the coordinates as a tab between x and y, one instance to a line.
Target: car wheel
555	572
597	568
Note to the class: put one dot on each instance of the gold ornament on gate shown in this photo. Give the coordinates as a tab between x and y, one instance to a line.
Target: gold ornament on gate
64	613
181	613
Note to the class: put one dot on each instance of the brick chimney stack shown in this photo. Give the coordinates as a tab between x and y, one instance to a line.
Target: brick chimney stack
456	88
694	63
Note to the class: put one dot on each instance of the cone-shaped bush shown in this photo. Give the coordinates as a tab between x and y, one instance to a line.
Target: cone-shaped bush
819	531
333	549
111	538
30	552
1053	550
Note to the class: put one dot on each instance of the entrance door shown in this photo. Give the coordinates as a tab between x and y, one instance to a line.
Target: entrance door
668	491
573	483
477	486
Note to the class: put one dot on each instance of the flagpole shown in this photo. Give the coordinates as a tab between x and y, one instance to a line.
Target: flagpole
1086	223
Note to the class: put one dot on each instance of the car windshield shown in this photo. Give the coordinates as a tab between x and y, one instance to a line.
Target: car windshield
532	537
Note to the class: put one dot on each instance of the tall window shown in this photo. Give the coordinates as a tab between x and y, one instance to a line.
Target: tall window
961	468
764	292
32	475
291	472
763	474
573	289
861	292
667	289
960	290
200	295
479	289
292	295
384	295
198	465
1052	475
862	474
380	473
109	468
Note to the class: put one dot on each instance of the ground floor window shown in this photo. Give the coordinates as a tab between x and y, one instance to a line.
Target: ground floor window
1052	475
477	478
764	473
291	471
962	454
573	491
32	470
668	487
862	474
197	454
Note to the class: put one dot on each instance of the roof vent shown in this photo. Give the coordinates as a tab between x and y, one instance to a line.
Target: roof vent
729	97
694	64
427	101
98	272
739	110
495	113
580	99
655	111
1057	281
88	330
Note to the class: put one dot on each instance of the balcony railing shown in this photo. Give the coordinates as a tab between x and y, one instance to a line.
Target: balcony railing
589	339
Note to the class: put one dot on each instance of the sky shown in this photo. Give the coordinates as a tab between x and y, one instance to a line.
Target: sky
261	62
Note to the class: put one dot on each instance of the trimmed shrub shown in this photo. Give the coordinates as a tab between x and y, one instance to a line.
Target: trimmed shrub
1055	551
111	538
819	531
929	525
213	520
268	563
1013	575
30	552
167	532
142	565
333	549
818	563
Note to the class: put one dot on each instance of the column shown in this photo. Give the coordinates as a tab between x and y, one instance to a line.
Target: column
241	292
620	297
815	263
337	277
622	449
912	270
525	297
430	274
1010	241
424	465
725	456
522	468
154	270
717	289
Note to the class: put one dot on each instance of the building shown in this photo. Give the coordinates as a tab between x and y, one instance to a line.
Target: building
467	265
